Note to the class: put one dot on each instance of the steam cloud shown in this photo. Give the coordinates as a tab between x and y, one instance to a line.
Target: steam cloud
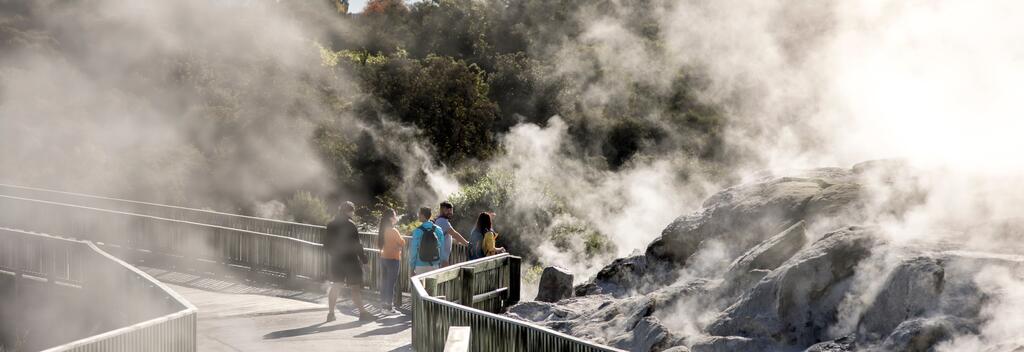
809	84
802	83
154	101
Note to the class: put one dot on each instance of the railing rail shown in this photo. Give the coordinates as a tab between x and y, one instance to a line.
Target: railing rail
130	310
196	246
454	296
466	294
307	232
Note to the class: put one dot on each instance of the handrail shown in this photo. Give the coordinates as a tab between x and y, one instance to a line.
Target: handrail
84	195
286	228
307	232
173	331
185	240
432	316
306	259
164	219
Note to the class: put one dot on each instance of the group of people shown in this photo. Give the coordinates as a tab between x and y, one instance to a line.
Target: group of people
430	248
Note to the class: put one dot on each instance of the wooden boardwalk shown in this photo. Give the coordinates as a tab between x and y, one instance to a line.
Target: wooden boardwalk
237	317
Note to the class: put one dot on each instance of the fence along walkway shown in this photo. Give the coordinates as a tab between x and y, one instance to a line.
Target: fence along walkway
492	285
469	294
120	306
307	232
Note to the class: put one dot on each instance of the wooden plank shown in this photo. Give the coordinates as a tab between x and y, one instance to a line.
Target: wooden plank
490	295
466	286
488	265
458	339
445	276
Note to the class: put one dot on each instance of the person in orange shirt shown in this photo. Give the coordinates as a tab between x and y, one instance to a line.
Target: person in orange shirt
391	256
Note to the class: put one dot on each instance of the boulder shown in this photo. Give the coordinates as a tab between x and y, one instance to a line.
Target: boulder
628	275
734	219
921	334
747	214
753	265
843	344
627	323
929	290
731	343
555	284
910	291
677	349
647	335
797	302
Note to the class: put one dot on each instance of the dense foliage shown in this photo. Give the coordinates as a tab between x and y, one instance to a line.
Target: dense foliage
403	88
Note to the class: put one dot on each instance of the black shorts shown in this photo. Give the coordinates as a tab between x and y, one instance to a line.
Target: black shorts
349	271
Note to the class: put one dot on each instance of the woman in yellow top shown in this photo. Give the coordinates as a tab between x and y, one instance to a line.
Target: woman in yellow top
489	241
391	256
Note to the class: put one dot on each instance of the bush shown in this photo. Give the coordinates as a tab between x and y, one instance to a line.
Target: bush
523	227
445	98
307	208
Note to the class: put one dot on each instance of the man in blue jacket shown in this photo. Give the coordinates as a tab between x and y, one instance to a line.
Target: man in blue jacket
425	249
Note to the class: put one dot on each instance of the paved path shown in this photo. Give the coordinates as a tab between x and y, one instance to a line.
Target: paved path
237	317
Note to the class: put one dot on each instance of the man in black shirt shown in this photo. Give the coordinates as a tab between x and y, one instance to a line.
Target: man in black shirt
346	258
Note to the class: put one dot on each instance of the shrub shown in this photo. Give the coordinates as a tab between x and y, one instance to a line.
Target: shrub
307	208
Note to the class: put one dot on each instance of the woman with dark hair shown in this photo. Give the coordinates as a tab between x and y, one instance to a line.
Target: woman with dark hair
391	255
483	238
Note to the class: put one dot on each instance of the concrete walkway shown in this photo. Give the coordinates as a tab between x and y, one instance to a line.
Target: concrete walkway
237	317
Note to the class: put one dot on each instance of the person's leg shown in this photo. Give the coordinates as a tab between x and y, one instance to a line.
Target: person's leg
396	268
357	297
355	284
387	283
383	283
332	301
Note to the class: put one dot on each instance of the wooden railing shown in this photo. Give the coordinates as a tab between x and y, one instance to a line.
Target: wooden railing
201	247
159	241
306	232
466	294
109	305
469	294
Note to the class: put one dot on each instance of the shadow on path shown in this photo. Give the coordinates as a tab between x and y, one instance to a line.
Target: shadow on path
234	285
313	329
388	325
406	348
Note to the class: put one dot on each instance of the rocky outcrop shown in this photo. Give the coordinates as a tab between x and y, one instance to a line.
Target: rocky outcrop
843	344
921	334
627	323
790	269
911	291
627	275
757	262
555	284
731	343
796	303
737	219
745	215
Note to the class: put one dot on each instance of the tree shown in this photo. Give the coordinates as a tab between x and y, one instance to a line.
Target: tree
447	99
385	8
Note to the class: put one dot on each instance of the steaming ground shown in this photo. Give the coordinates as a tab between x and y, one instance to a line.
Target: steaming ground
817	260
